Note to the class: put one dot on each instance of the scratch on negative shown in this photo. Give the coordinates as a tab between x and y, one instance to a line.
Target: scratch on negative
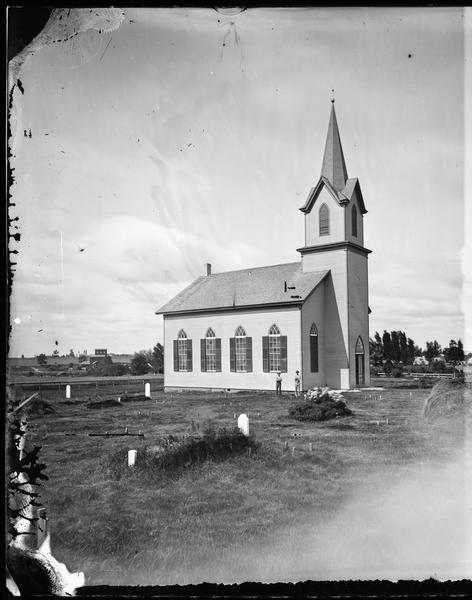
106	48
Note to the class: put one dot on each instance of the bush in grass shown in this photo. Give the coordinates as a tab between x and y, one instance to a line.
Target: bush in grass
133	397
38	406
178	454
320	404
107	403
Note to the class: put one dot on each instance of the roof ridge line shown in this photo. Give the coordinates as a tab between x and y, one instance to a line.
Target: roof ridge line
295	262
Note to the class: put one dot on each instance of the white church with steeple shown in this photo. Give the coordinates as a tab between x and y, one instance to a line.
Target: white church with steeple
237	329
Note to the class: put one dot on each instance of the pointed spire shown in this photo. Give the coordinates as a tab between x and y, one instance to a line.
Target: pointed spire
334	167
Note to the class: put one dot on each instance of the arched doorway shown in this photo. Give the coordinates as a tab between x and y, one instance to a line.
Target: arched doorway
360	369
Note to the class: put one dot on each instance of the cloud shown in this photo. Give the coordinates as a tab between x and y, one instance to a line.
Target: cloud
129	268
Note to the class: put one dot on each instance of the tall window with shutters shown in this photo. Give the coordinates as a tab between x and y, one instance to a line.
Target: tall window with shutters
313	348
210	352
324	219
240	349
182	352
354	220
240	352
274	351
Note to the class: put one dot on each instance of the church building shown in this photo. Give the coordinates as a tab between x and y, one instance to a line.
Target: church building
237	329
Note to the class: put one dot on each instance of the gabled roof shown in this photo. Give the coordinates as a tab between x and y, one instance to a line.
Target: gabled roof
334	166
353	185
260	286
342	197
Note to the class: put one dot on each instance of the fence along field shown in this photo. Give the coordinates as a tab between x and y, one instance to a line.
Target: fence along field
210	521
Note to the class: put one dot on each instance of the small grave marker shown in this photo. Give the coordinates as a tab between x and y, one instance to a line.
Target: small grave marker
243	424
310	447
67	391
147	390
132	457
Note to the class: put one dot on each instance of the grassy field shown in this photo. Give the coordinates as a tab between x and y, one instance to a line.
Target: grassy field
128	531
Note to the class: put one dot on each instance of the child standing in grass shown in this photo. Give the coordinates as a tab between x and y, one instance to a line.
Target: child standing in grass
278	384
297	384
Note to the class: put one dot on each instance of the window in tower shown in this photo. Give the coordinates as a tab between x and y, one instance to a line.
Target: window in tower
324	220
354	220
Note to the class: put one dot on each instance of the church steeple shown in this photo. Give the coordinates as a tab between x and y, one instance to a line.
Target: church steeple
334	167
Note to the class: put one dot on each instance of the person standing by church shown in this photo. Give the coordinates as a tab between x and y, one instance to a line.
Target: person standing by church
297	384
278	384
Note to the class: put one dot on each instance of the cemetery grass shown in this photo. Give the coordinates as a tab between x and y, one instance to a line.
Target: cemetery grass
128	532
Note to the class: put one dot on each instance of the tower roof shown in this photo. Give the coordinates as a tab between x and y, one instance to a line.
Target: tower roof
334	167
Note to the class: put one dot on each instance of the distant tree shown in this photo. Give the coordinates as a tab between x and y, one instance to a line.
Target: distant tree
105	367
71	353
82	358
56	352
460	350
42	359
387	346
454	353
376	349
395	338
158	358
403	347
410	351
433	349
140	363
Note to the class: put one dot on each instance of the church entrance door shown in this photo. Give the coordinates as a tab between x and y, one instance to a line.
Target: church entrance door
360	369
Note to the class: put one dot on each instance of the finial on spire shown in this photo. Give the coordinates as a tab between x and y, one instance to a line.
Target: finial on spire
332	96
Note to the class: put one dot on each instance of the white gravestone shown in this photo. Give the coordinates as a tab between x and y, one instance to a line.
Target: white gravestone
243	424
67	391
147	390
132	457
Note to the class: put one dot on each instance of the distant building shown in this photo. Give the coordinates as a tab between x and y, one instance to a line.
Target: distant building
420	360
238	329
101	352
121	359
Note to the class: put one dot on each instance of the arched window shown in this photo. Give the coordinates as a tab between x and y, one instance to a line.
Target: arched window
360	377
240	352
313	348
359	346
240	349
182	352
324	219
210	350
274	351
354	220
274	348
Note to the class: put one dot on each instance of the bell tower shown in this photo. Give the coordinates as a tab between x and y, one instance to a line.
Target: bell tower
334	241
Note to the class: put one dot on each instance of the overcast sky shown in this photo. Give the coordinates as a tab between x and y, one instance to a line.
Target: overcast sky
188	136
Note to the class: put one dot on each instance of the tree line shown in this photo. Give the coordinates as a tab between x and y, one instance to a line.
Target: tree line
395	347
